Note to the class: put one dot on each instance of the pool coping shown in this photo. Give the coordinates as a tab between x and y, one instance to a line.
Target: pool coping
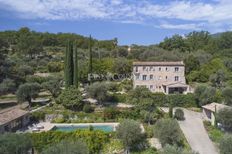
49	126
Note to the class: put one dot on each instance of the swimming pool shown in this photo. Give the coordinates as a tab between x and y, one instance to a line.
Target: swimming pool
68	128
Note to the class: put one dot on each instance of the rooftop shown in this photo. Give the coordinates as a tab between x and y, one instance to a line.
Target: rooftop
8	115
163	63
214	105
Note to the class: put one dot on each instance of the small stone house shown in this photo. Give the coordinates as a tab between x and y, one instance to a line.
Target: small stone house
13	119
209	111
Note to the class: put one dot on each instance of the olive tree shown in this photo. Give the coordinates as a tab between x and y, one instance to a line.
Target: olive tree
168	132
224	116
130	133
227	95
67	147
53	85
98	90
204	94
27	92
15	143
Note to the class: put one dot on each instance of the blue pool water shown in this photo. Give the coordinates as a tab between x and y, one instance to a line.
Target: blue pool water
106	128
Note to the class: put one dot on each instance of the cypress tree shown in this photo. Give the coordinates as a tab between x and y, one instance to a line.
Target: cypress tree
90	59
69	65
75	67
66	66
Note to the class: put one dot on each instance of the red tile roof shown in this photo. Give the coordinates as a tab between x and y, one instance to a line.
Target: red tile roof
163	63
11	114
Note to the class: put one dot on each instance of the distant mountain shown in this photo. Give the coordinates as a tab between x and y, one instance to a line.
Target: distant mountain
217	34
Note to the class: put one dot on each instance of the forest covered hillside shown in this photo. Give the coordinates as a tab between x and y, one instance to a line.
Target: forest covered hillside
208	59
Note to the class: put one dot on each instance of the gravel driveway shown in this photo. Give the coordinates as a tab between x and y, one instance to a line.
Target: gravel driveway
196	134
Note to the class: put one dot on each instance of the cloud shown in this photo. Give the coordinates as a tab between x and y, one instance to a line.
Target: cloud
214	12
181	26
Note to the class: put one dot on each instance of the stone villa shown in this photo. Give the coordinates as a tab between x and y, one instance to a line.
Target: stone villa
166	77
13	119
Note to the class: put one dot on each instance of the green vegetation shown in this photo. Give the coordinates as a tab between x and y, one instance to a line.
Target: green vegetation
15	143
170	149
95	140
33	62
168	132
130	133
70	98
67	147
225	144
224	117
27	92
179	114
214	133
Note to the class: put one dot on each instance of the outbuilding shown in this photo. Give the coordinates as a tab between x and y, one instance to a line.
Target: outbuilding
209	111
13	119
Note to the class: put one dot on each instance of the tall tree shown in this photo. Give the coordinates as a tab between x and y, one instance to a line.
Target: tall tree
130	133
75	67
69	65
27	92
90	59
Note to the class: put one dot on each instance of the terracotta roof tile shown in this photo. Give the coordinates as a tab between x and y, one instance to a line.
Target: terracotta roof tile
163	63
11	114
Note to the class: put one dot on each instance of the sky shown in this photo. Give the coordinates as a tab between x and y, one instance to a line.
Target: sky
140	22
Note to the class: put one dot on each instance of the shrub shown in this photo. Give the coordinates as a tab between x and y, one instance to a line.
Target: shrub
87	108
7	86
95	140
225	145
224	116
181	100
71	98
119	97
55	66
67	147
179	114
168	132
113	147
110	113
15	143
37	116
168	149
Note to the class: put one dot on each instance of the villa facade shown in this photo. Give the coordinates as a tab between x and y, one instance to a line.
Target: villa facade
166	77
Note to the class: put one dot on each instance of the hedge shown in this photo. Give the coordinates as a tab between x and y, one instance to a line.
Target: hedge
181	100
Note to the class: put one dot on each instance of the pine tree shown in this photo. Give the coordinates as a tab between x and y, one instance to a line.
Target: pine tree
75	67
